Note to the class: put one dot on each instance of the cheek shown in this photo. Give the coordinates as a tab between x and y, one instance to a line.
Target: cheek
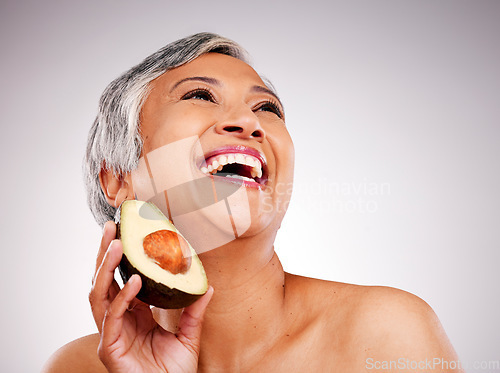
282	148
284	151
172	126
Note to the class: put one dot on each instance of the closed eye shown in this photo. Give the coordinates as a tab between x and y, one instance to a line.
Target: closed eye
199	94
271	107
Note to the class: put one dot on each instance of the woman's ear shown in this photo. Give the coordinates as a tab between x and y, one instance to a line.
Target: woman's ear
116	188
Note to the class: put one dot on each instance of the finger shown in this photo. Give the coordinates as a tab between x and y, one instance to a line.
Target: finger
105	287
106	273
113	320
108	234
191	321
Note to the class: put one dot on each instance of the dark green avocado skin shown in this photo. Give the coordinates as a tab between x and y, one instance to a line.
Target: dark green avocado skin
152	292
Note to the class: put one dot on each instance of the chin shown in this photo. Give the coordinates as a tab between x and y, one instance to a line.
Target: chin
224	222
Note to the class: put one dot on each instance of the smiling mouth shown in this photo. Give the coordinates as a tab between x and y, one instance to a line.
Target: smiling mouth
237	164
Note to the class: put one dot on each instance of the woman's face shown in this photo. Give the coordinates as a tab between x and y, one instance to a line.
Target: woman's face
216	149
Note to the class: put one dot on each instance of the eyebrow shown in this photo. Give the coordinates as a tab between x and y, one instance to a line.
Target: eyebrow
261	89
204	79
213	81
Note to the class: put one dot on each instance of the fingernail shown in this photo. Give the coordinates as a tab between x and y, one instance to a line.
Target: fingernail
133	279
112	245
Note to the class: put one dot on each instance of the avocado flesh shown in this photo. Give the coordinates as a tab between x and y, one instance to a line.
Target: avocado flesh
160	287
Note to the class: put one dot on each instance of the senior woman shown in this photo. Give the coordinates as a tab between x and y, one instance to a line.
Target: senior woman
177	118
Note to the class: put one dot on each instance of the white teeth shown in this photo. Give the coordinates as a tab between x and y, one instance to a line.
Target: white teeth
256	172
240	177
223	160
240	158
217	163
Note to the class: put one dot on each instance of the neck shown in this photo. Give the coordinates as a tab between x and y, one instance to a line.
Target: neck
243	319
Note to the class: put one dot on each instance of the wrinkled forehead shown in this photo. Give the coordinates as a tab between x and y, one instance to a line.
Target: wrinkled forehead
214	67
217	63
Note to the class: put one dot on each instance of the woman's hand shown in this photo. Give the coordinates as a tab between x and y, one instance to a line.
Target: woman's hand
131	340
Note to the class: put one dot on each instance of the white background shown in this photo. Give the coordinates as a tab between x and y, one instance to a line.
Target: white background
398	96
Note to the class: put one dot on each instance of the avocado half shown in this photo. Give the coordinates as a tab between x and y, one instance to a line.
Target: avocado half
171	272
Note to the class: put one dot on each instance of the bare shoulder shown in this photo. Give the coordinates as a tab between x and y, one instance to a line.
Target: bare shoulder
395	323
374	323
77	356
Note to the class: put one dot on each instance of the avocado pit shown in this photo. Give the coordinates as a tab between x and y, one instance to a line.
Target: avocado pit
169	250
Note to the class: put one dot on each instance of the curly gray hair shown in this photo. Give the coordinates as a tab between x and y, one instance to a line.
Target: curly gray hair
114	140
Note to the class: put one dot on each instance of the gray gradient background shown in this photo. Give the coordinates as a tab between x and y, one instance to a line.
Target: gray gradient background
398	93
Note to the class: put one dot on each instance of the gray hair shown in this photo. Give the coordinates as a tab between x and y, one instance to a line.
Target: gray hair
114	141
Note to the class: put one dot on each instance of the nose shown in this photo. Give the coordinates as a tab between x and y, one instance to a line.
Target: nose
241	123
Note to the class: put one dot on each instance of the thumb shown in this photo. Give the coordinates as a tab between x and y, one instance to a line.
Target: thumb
191	321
